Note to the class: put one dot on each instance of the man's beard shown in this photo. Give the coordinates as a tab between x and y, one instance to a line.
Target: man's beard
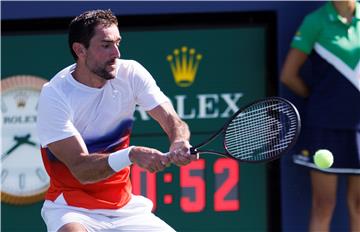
102	72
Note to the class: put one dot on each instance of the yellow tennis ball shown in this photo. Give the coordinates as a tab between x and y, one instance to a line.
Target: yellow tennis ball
323	158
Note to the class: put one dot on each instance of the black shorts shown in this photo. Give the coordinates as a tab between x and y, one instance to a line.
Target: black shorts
344	145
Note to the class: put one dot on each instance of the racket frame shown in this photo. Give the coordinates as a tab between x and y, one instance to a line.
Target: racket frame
196	150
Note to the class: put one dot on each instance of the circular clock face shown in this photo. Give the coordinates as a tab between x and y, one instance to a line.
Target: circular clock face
23	176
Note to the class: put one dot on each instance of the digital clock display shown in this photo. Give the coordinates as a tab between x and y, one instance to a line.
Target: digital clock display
204	191
192	184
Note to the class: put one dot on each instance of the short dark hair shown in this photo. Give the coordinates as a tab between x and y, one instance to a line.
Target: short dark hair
81	28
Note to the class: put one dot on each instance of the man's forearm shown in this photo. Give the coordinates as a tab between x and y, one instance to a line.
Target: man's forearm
179	132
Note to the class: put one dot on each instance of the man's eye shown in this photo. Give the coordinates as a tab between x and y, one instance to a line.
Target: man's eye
105	46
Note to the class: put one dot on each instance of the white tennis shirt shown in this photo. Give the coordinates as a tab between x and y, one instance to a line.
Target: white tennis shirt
103	117
67	107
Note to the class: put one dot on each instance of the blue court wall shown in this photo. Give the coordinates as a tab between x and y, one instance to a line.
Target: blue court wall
295	186
289	13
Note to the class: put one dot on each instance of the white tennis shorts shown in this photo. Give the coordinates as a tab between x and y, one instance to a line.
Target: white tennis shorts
134	216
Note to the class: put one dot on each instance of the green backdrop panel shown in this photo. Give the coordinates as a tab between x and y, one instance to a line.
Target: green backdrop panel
218	71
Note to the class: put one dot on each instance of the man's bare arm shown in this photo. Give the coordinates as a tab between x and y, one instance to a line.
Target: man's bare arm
86	168
90	168
174	127
177	131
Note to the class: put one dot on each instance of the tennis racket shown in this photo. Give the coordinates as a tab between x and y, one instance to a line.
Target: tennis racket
259	132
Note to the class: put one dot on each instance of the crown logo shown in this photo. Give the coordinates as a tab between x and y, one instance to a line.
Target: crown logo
184	66
21	98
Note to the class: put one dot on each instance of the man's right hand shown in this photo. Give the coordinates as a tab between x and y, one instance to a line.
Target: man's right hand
149	159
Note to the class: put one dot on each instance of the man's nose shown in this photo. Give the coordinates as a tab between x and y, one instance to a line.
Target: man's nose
116	52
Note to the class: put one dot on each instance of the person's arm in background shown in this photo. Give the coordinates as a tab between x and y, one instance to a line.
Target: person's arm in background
290	72
301	45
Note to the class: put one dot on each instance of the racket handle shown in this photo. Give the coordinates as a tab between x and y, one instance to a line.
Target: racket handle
193	151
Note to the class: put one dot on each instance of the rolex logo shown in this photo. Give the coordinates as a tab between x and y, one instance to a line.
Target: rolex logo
184	64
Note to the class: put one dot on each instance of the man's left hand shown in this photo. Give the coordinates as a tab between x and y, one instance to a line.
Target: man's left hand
180	153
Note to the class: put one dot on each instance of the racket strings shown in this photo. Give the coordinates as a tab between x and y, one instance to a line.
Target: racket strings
269	122
262	131
251	136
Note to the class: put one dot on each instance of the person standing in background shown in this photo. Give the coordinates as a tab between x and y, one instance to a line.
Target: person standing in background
330	39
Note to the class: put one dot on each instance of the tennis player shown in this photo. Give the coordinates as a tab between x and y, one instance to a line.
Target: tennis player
85	114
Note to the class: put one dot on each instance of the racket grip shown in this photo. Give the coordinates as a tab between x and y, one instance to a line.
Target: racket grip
193	151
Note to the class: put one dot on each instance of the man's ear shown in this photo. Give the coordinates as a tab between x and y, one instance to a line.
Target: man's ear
79	49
